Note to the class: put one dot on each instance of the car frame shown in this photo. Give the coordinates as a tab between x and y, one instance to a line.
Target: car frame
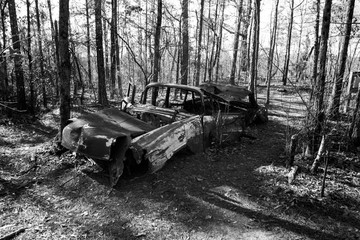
167	119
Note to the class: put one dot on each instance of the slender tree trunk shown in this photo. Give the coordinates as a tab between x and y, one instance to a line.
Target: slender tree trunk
118	72
337	88
88	45
243	63
255	47
288	44
179	50
185	42
113	46
3	62
64	63
105	40
19	74
198	62
299	63
54	49
207	44
157	56
41	60
271	51
31	83
236	44
316	47
102	98
212	59
320	86
219	43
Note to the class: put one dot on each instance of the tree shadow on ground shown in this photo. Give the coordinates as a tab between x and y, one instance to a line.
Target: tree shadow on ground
196	175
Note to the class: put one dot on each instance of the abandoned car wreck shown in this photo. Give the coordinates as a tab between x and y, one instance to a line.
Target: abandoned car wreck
168	118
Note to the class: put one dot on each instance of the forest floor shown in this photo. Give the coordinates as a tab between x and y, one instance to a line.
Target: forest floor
238	191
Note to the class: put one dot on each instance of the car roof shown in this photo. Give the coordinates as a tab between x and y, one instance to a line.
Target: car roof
174	85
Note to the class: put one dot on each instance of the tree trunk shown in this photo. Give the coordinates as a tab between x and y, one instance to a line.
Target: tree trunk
31	83
255	47
19	74
118	72
64	63
320	86
157	56
198	61
271	52
113	47
212	59
88	45
105	40
299	63
337	88
244	44
3	62
288	44
102	98
54	49
219	43
236	44
316	47
41	55
184	71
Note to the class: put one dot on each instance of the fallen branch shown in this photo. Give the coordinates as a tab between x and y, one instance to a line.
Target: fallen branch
13	234
324	176
320	154
12	109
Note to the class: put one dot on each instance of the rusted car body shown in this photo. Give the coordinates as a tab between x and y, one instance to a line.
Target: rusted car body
168	118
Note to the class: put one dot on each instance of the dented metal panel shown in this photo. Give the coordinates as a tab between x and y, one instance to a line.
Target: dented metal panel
94	134
161	144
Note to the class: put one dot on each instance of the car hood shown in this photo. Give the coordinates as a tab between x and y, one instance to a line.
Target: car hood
93	134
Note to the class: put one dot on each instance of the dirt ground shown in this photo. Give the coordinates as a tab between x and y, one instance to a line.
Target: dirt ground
239	191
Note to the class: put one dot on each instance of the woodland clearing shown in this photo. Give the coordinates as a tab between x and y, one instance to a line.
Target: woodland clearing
237	191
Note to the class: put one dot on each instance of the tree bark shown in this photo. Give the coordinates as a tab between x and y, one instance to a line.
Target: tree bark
198	58
212	59
88	45
157	55
219	43
320	85
288	44
113	36
54	50
31	83
255	47
41	59
207	44
236	44
64	63
19	74
271	52
3	62
102	98
334	105
184	71
244	66
316	47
